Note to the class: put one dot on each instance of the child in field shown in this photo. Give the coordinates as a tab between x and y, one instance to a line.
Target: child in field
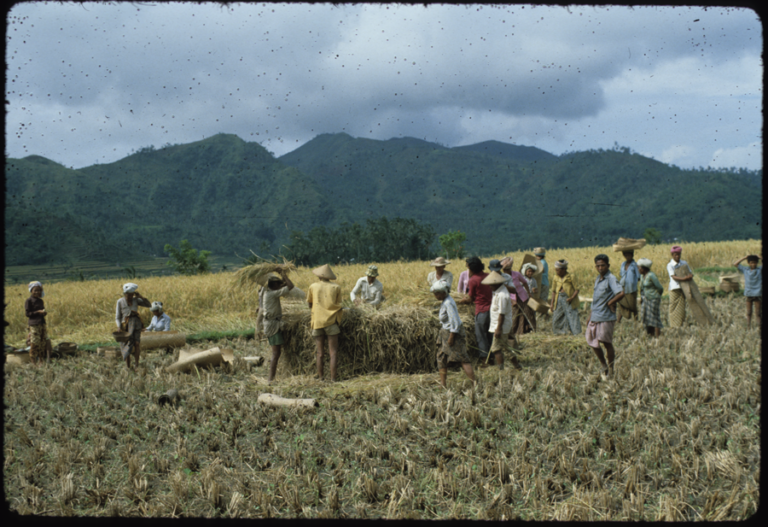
160	321
602	318
565	301
270	315
324	299
127	319
38	340
452	339
501	318
753	285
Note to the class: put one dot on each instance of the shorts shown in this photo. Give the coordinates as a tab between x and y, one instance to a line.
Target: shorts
500	343
754	299
276	339
598	332
330	331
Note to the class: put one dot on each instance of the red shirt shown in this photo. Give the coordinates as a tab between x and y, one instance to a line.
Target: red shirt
480	294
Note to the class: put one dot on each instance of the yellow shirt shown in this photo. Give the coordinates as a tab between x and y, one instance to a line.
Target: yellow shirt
566	283
325	298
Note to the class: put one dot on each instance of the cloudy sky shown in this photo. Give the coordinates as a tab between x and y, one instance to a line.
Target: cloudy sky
89	83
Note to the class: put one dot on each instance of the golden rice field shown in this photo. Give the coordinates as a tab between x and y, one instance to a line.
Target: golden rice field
673	436
83	312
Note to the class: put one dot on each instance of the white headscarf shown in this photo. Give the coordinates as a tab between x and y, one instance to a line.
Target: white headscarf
645	262
36	284
530	266
440	286
130	287
561	264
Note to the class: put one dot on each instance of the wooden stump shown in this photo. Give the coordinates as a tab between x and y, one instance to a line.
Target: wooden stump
275	400
162	339
187	360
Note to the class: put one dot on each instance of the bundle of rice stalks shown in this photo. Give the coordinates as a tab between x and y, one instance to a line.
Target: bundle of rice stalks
396	339
249	275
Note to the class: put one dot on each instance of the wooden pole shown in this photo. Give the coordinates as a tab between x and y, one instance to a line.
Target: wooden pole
275	400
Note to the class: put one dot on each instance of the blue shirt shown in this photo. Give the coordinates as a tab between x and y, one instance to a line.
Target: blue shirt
629	276
606	287
753	280
545	274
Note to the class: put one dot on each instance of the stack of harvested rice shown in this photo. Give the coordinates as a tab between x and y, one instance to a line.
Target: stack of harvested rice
251	275
395	339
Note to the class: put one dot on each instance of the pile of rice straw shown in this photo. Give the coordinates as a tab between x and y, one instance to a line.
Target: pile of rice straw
395	339
250	275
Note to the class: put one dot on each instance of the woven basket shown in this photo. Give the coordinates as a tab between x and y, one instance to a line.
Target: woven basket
628	244
707	290
539	306
120	336
109	352
729	287
737	278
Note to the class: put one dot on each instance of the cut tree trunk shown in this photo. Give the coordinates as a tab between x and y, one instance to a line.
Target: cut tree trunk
162	339
187	360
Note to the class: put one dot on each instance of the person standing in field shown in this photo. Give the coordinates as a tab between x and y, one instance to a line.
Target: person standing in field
501	318
629	275
650	298
440	273
753	285
524	319
602	318
564	302
369	288
540	253
480	295
463	286
160	321
676	296
528	271
324	299
127	319
452	339
270	316
34	307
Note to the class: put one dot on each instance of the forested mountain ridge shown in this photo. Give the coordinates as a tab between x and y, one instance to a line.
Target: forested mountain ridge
227	195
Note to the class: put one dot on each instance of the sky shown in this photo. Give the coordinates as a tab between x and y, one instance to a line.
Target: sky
90	83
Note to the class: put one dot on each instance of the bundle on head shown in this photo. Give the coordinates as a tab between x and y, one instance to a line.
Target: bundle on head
396	339
258	273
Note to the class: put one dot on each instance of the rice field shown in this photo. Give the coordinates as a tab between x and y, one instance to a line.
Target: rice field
674	436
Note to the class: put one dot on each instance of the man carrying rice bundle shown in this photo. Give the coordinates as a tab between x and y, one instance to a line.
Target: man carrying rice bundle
324	299
127	319
369	288
452	339
270	315
38	340
630	275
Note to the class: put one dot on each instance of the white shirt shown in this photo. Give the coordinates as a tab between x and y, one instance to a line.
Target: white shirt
501	304
447	278
674	284
162	323
372	294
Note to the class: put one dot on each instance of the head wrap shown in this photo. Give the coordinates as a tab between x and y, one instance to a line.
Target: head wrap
130	287
676	249
603	257
645	262
507	262
156	306
530	266
36	284
440	286
561	264
372	271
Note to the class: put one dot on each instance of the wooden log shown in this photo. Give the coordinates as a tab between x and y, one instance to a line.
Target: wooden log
275	400
169	397
211	357
162	339
693	296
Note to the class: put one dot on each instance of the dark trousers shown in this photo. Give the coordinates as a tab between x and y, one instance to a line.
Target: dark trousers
483	336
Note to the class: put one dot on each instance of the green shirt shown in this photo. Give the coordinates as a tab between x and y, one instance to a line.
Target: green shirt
651	287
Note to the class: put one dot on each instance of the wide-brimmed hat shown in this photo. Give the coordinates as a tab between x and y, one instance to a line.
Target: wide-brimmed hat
372	271
539	251
439	262
494	278
156	306
130	287
324	271
494	265
628	244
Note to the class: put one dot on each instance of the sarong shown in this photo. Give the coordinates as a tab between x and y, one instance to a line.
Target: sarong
628	305
599	332
38	341
565	319
134	337
520	324
652	313
676	308
456	353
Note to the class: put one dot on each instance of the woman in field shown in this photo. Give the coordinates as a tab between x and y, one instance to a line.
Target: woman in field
650	298
524	319
565	301
440	273
529	270
753	285
38	340
127	319
160	321
676	296
452	339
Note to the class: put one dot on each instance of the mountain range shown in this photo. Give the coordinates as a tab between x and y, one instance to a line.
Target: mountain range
227	195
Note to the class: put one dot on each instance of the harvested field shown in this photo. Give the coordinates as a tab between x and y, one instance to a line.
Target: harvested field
675	436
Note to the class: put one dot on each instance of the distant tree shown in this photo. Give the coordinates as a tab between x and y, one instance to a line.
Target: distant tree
652	236
452	244
185	260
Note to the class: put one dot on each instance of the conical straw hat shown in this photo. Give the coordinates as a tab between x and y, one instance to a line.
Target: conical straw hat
324	271
494	278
